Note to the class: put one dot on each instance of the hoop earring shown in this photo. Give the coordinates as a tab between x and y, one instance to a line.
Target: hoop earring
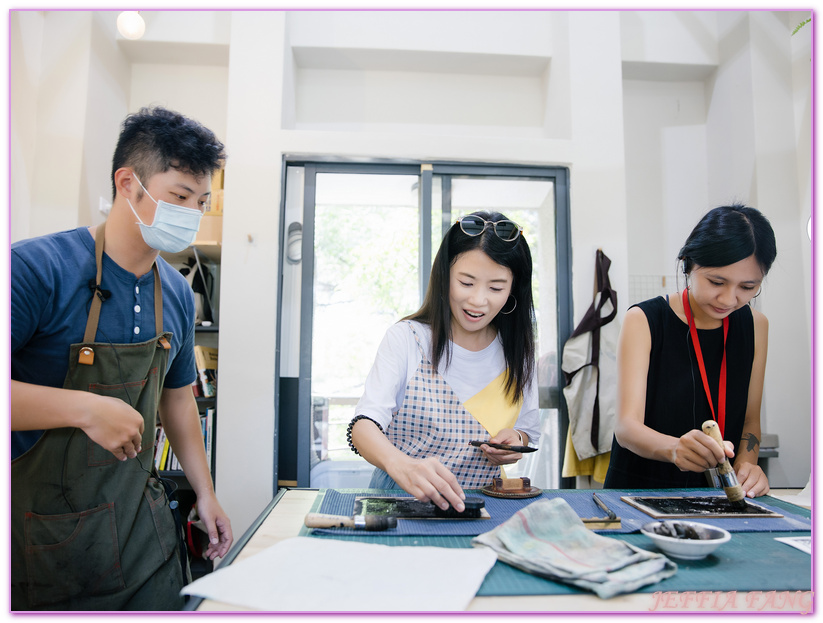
758	292
506	313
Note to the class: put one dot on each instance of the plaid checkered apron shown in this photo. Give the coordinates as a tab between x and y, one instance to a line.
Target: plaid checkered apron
433	422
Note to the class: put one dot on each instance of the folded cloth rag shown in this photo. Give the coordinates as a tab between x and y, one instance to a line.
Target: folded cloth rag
547	538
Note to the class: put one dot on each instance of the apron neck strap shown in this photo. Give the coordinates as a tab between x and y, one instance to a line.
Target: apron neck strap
98	298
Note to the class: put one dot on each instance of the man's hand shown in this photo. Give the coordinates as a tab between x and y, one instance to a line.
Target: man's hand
108	421
114	425
217	524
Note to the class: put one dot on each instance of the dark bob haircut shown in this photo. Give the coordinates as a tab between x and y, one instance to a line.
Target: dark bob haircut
515	329
728	234
155	140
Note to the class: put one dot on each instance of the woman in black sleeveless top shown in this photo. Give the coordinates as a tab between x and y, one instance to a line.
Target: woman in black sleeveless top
662	398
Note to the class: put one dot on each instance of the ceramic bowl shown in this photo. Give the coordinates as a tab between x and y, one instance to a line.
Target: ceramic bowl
711	537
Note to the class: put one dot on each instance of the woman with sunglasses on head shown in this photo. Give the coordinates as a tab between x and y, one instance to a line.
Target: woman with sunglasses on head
461	368
697	356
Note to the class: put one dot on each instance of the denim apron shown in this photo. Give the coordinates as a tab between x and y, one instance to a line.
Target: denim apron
90	532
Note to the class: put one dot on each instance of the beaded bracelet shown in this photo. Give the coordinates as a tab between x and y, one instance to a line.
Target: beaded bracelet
351	424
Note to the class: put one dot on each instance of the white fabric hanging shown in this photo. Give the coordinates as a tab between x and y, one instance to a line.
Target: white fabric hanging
590	367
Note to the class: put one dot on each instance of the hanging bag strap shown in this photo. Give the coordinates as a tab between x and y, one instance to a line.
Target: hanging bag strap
592	322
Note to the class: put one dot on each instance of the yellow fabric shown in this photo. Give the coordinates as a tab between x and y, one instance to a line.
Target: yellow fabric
491	407
595	466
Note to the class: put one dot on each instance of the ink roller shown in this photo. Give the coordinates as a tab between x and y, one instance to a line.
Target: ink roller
372	523
725	471
473	507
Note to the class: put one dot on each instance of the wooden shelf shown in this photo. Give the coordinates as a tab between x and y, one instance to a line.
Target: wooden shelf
211	249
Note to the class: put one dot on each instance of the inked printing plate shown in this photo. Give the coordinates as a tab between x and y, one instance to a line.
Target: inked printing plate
711	506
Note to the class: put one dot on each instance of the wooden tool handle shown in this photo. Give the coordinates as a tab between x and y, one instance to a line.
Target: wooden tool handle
711	429
319	520
725	470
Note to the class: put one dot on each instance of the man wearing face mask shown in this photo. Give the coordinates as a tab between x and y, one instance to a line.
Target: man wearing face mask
102	341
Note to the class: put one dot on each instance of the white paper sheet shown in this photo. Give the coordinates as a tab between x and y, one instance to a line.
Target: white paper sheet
803	498
803	543
311	575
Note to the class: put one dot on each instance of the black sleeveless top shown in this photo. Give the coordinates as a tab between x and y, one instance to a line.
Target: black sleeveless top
675	399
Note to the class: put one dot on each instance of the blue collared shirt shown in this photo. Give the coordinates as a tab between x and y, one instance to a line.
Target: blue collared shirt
50	299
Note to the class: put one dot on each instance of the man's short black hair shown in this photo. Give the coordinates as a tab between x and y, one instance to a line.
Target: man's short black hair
154	140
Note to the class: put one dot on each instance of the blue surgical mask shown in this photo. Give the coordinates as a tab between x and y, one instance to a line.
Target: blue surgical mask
174	228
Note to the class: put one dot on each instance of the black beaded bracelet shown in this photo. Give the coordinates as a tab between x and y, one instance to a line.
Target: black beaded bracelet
351	424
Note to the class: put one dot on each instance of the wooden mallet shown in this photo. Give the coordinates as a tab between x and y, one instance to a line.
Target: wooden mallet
725	470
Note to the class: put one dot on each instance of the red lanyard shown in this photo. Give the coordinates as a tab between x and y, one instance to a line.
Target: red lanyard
720	418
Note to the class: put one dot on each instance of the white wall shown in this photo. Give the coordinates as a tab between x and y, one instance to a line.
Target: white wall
598	175
659	115
740	133
754	158
248	314
53	104
200	91
107	102
666	169
686	38
802	81
26	39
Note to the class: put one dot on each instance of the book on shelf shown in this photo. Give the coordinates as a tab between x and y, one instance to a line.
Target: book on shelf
164	457
207	424
205	358
163	449
159	444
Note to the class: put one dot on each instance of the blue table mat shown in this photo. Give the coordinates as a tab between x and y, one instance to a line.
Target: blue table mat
341	502
750	562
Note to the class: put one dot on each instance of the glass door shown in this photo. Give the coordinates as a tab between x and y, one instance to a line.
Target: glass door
530	203
366	236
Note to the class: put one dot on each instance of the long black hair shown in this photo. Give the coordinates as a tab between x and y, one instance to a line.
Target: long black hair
728	234
516	329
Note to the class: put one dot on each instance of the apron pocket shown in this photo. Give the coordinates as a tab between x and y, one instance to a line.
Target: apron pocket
137	394
85	543
164	523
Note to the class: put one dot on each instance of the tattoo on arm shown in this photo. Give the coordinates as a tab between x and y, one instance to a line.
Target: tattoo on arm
751	442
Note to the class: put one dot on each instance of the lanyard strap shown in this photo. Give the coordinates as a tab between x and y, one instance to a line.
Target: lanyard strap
720	418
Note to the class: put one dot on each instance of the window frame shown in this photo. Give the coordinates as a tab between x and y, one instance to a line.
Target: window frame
426	170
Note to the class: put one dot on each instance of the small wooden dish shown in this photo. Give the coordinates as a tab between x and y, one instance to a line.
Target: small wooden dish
511	488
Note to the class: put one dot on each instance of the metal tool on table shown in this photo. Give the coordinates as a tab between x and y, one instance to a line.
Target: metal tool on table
725	471
371	523
610	522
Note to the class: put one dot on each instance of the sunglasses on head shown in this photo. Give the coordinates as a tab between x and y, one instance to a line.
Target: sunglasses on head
474	226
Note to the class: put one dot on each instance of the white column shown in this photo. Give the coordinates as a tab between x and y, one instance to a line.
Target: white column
598	185
249	281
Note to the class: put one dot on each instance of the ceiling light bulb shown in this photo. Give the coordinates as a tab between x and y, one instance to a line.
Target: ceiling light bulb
131	25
